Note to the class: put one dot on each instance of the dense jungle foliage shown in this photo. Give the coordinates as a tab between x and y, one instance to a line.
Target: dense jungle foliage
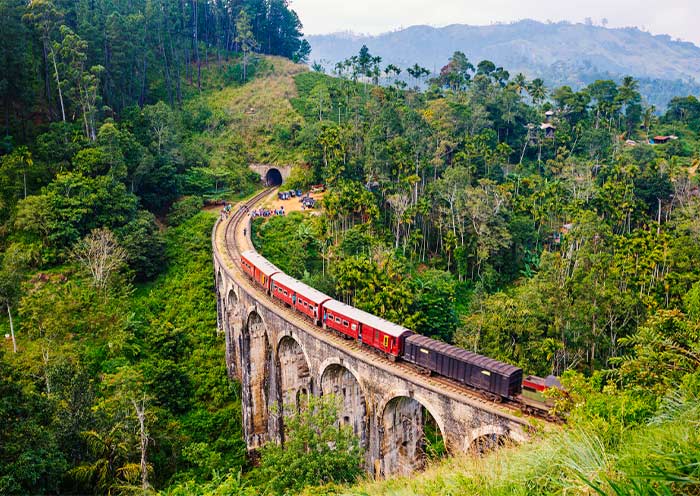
553	229
538	226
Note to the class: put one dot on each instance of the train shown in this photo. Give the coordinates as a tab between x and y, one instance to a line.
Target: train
496	380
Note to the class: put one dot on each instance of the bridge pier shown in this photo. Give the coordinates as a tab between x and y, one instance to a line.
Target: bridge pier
279	360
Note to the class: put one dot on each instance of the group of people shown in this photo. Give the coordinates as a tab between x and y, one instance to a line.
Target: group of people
266	212
226	211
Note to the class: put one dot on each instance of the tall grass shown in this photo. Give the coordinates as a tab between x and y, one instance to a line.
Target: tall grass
661	458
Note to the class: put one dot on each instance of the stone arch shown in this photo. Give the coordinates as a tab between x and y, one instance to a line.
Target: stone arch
293	378
487	438
402	423
273	177
339	380
256	361
232	325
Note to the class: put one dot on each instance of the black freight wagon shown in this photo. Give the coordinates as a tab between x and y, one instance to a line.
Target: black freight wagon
464	366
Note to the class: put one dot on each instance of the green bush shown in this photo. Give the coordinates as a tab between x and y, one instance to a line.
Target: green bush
184	209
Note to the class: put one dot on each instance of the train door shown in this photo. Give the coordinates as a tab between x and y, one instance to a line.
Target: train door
481	378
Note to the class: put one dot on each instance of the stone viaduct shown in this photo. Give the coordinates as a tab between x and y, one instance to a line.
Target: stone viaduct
279	358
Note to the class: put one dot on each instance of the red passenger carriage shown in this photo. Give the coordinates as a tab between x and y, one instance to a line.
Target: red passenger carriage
258	268
310	302
383	335
342	318
284	288
298	295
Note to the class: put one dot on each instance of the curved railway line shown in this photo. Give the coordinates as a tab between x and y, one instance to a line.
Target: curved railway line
233	242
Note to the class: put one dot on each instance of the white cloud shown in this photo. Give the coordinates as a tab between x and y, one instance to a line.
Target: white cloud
678	18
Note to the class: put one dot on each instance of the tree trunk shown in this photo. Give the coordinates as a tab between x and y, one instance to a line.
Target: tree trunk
47	80
12	329
142	97
45	358
58	84
195	6
143	446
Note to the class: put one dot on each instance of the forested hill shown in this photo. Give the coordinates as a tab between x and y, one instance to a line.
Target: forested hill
68	60
560	53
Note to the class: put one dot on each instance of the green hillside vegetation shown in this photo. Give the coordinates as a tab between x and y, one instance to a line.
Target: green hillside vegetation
563	249
256	122
570	255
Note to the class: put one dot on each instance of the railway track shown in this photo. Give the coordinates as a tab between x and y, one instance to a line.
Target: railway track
233	238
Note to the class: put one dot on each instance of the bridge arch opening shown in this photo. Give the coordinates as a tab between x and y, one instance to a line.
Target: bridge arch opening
294	378
232	327
487	442
256	380
410	437
340	382
273	177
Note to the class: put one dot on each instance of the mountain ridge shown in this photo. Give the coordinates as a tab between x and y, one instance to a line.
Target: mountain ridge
561	53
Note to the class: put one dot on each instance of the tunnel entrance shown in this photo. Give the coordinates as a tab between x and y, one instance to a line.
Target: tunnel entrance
273	177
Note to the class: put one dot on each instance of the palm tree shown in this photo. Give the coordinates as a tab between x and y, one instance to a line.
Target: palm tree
628	90
111	467
649	119
391	69
520	83
417	72
537	91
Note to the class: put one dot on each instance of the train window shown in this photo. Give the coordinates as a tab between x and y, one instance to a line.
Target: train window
337	319
353	327
346	323
285	293
376	336
386	341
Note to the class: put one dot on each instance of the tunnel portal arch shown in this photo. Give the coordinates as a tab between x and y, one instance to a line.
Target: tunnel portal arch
273	177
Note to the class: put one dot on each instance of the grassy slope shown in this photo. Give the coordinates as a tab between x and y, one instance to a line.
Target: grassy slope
255	137
662	458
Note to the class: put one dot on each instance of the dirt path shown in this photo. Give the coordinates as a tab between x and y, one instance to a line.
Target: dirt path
291	205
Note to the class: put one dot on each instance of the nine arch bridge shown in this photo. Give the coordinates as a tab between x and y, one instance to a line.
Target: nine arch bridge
279	358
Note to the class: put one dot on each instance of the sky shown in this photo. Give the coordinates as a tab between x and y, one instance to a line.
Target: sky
677	18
